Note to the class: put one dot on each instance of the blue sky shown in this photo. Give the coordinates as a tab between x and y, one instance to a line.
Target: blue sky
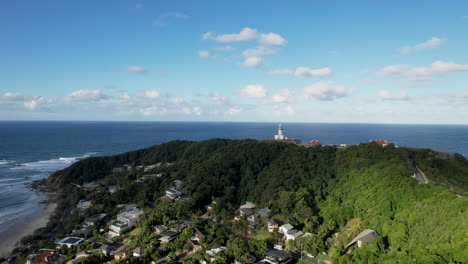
275	61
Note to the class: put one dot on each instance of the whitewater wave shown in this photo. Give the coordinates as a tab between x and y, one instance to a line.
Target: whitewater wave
5	162
52	164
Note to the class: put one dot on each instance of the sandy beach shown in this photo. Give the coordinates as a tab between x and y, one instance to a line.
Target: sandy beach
26	226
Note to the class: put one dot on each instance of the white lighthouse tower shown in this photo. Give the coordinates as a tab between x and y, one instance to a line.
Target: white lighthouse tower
280	135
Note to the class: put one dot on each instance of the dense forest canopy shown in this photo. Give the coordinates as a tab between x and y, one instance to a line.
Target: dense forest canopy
333	193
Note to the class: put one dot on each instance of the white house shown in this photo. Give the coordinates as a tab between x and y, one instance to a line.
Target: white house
293	234
286	228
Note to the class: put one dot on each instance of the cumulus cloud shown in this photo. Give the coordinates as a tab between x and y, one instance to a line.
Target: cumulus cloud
434	42
284	96
325	91
135	69
33	104
204	54
272	39
234	111
253	91
219	99
164	18
84	96
436	68
385	95
307	72
196	110
253	62
9	96
148	94
152	110
244	35
281	72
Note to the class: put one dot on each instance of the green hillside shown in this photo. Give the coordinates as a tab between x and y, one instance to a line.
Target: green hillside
330	192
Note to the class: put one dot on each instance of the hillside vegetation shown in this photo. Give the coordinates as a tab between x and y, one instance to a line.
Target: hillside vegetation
330	192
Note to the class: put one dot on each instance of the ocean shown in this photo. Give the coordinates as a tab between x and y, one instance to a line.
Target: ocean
32	150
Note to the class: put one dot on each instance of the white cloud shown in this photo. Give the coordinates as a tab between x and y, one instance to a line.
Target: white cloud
33	104
148	94
434	42
272	39
83	96
284	96
258	51
135	69
253	91
152	110
124	96
281	72
9	96
332	52
196	110
204	54
325	91
279	110
234	111
307	72
385	95
436	68
224	48
178	100
163	19
219	99
252	62
244	35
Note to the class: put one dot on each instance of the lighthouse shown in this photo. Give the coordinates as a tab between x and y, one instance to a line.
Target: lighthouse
280	135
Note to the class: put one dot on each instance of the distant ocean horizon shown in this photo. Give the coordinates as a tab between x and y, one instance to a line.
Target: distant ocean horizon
31	150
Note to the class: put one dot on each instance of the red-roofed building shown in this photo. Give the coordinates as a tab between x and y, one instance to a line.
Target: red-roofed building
382	143
314	143
343	145
46	257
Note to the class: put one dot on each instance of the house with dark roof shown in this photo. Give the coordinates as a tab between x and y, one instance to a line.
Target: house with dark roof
275	256
168	236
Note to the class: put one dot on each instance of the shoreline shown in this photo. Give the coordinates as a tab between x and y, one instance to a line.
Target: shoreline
27	225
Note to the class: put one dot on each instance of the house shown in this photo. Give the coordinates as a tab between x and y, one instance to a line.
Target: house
46	257
215	251
272	224
314	143
343	145
275	256
263	213
92	220
114	188
69	242
248	205
254	218
246	211
173	193
168	236
80	232
164	260
293	234
106	249
365	237
120	252
137	252
118	229
158	229
382	143
284	229
83	205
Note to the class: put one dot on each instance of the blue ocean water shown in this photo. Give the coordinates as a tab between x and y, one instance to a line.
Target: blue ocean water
32	150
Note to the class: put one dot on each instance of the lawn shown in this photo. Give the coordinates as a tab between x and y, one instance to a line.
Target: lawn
261	235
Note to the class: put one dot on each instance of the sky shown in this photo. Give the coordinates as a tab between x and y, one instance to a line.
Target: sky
403	62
